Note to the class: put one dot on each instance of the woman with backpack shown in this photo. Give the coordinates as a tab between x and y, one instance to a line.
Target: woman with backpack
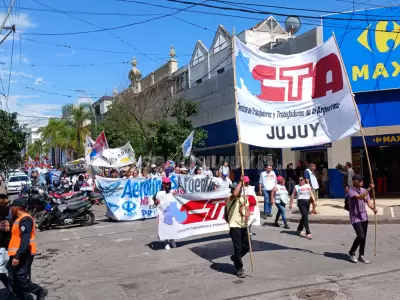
304	194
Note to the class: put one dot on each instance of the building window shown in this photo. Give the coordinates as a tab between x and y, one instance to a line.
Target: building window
220	43
198	81
97	110
198	57
220	71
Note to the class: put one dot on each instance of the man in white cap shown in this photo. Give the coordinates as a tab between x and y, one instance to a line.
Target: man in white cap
153	172
223	182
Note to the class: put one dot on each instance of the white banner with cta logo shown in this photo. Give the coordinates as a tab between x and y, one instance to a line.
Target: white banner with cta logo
296	100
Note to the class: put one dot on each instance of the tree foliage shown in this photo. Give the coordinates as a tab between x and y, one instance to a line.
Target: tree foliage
159	137
37	148
12	140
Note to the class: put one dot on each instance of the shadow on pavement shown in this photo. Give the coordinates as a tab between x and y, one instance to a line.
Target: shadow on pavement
216	250
4	295
160	245
338	256
290	232
224	268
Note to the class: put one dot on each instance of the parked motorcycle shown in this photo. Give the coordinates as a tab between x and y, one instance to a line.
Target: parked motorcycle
59	213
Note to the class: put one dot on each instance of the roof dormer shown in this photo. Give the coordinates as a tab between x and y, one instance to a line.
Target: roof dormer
199	54
221	40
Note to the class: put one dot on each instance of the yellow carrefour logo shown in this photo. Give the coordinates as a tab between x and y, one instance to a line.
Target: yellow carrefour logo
387	139
382	37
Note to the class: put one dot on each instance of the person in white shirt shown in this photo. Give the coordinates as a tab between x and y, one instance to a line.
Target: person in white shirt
311	179
163	198
280	197
208	172
223	182
224	168
267	183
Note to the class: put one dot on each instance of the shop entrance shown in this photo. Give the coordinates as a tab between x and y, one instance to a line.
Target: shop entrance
318	157
385	165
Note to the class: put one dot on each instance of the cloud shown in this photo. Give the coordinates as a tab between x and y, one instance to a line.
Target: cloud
65	54
22	21
39	80
24	59
5	73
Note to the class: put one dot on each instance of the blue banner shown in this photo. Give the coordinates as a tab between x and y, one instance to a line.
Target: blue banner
369	41
376	140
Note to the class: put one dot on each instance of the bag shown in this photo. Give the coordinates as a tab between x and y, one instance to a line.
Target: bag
47	177
346	203
227	211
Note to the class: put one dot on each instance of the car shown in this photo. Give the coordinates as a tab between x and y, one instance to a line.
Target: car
15	183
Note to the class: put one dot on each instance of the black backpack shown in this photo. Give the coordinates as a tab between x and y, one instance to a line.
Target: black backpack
227	211
346	203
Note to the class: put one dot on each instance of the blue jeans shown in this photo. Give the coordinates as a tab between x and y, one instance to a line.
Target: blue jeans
267	205
281	211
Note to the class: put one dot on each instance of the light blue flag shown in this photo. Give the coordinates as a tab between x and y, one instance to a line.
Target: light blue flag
187	145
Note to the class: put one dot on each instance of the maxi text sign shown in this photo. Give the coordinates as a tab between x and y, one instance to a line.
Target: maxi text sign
370	46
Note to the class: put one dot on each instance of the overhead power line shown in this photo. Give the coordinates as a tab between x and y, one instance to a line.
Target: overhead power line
271	13
287	7
83	65
87	13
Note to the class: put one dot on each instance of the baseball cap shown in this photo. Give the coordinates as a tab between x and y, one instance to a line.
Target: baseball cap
358	177
153	165
246	179
233	185
166	180
224	173
279	178
19	202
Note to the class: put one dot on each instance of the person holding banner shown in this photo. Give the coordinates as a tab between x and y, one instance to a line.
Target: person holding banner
303	193
237	216
163	198
249	192
280	197
223	182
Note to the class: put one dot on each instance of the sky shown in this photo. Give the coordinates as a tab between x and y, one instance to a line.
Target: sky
44	76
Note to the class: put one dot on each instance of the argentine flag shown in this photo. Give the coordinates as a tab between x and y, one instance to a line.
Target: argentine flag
187	145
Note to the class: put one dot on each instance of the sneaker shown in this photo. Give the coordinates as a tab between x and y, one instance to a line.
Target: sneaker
232	258
240	274
252	233
167	247
269	215
363	260
43	294
276	224
353	257
286	226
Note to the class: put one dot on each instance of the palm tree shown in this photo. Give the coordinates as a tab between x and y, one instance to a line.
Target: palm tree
37	148
80	120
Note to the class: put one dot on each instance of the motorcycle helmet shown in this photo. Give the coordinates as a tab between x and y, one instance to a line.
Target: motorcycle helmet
56	183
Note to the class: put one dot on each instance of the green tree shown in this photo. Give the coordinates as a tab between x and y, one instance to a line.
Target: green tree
37	148
80	120
161	137
12	140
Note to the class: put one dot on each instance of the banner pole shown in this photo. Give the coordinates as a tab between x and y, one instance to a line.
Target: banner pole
363	138
240	146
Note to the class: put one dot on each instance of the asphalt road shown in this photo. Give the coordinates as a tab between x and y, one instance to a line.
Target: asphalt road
123	261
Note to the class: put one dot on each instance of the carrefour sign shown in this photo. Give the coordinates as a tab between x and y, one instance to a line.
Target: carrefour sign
369	41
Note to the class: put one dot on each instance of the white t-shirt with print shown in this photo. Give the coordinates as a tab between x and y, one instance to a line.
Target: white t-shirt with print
268	180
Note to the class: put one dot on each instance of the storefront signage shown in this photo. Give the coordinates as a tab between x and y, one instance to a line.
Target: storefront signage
377	140
376	42
319	147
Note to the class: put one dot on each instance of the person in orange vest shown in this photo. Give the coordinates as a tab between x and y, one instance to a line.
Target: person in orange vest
21	249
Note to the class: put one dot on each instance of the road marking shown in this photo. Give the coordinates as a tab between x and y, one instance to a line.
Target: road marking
109	233
122	240
73	238
136	255
392	212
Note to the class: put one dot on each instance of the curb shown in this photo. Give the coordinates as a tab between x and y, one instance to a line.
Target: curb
344	221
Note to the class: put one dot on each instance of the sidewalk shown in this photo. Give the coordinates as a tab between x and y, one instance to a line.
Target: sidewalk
331	211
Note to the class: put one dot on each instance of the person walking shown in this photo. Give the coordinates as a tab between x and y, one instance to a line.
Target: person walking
4	239
267	182
348	176
163	198
325	181
224	168
21	249
311	179
290	178
222	182
358	198
303	193
237	216
280	197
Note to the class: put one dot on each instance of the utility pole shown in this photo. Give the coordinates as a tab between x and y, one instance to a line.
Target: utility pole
6	17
